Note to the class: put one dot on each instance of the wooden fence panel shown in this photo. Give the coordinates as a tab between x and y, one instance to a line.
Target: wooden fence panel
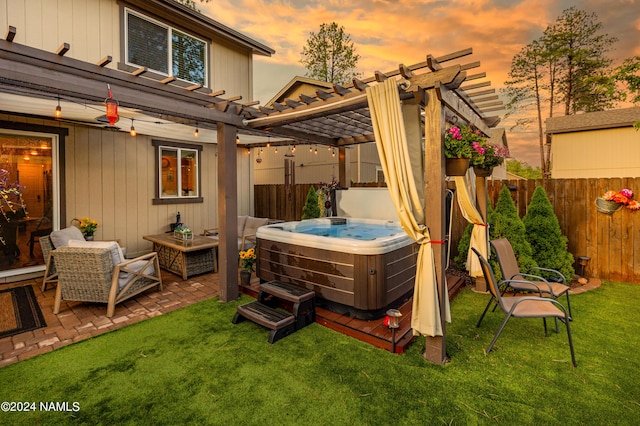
612	242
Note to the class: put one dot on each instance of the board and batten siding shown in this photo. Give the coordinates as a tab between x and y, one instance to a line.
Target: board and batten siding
111	178
91	27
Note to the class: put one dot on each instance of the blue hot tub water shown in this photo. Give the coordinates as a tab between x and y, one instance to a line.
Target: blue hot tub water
358	231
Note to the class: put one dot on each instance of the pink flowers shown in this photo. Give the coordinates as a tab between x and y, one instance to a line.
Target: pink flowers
454	133
623	197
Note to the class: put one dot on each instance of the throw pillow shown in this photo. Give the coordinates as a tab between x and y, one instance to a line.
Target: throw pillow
62	237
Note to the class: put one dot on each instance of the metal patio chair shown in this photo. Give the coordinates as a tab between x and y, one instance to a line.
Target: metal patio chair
523	306
529	283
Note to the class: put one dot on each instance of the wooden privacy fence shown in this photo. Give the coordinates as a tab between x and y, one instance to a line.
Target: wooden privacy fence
610	241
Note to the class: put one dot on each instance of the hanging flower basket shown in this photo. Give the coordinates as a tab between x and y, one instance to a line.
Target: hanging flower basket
482	171
606	206
456	166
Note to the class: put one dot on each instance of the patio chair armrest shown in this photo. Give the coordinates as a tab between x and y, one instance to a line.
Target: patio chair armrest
143	257
210	231
553	271
534	283
534	279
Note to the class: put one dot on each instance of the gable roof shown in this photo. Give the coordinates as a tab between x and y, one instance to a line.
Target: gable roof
624	117
298	85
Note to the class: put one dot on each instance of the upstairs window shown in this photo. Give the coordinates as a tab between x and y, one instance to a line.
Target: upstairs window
164	49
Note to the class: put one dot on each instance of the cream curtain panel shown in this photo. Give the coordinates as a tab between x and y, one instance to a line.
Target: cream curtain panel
466	197
406	188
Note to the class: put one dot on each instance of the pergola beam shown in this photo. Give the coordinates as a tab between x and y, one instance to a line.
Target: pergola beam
35	70
460	108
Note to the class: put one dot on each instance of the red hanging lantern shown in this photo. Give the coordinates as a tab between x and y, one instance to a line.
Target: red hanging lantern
112	107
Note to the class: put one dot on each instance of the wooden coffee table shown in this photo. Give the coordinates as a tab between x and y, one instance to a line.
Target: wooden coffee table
185	258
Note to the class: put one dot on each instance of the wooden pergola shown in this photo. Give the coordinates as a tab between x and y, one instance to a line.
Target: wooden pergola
338	118
341	118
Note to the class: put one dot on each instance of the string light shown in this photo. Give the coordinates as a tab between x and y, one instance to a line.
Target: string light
333	152
268	141
293	149
310	148
58	109
276	151
316	151
237	138
196	132
133	129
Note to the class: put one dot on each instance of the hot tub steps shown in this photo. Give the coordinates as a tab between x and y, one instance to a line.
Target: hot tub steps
282	324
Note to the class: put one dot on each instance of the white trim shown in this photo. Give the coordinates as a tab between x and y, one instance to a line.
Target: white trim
169	58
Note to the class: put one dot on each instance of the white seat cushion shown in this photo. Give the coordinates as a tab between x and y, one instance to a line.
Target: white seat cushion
116	252
62	237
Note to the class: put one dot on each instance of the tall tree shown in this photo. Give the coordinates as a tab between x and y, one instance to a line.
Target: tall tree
330	55
574	42
524	88
567	66
629	74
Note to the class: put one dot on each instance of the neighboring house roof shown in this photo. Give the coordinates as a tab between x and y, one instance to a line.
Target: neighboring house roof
498	135
624	117
176	12
297	86
513	176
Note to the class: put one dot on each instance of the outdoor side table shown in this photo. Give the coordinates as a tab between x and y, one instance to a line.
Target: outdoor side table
185	258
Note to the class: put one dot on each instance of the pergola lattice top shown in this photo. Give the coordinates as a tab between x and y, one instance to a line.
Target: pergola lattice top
341	117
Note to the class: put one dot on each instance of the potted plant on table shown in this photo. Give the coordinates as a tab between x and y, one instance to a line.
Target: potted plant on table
457	150
247	260
182	232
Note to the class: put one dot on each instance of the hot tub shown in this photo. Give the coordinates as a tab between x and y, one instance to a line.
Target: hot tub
356	266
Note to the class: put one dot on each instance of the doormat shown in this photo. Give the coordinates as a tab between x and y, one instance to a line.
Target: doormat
19	311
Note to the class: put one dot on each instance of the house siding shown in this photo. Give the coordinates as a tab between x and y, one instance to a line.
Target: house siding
110	175
596	154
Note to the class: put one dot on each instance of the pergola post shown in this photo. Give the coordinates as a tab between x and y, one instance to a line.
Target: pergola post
227	212
344	167
482	203
435	218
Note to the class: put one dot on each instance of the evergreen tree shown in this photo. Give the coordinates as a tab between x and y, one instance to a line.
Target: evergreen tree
311	209
504	222
463	247
545	236
330	55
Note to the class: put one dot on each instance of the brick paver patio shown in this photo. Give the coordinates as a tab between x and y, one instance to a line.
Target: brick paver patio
77	321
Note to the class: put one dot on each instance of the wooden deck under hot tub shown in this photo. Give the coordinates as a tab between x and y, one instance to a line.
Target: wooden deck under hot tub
365	284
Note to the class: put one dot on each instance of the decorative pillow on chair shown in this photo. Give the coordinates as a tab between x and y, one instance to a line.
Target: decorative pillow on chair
62	237
116	252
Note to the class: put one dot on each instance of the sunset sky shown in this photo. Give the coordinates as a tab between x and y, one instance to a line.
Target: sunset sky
389	32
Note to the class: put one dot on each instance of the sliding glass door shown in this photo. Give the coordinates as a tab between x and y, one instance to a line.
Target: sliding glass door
28	199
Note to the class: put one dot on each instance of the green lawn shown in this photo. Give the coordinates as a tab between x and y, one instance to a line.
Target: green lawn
193	366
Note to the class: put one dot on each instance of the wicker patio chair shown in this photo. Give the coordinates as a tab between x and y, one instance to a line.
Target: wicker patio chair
529	283
523	306
89	275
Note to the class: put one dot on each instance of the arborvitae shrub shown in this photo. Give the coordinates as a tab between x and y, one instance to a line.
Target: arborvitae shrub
504	222
311	209
545	236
